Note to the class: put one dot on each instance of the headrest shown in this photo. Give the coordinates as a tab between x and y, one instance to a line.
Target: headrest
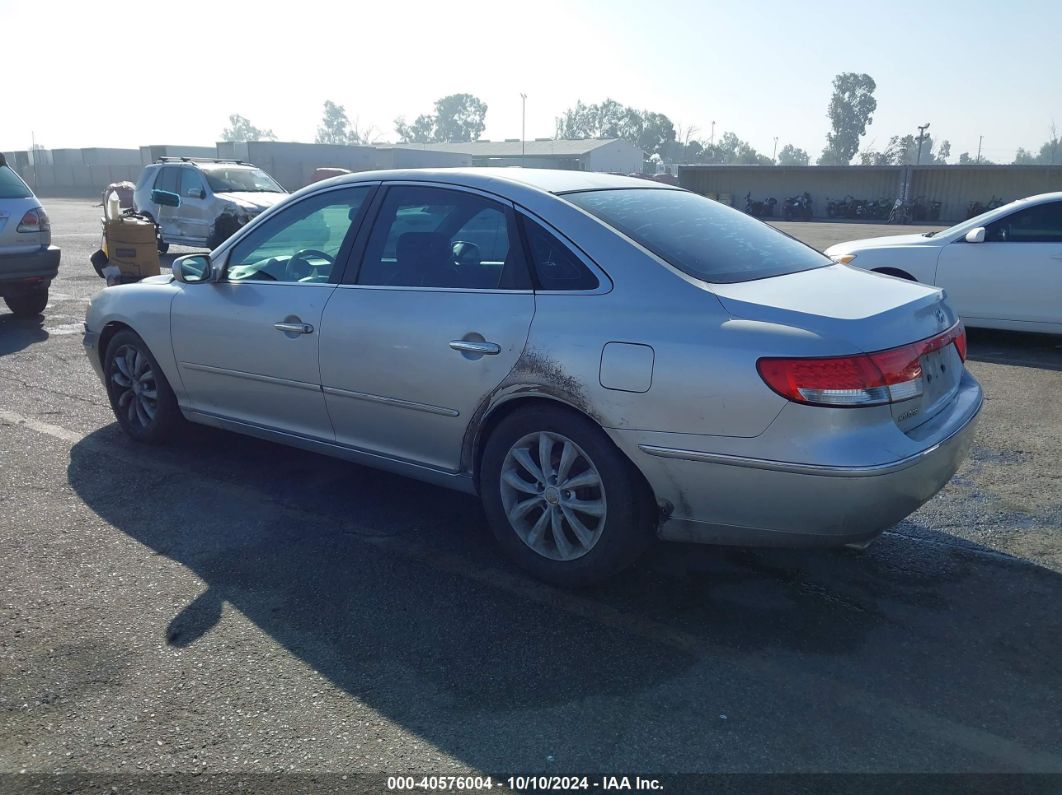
423	246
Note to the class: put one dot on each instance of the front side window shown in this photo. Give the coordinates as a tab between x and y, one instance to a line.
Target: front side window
1039	224
700	237
556	266
240	180
191	184
435	237
300	243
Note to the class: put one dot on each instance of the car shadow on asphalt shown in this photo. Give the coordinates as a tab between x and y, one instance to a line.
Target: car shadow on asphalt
19	333
394	591
1017	348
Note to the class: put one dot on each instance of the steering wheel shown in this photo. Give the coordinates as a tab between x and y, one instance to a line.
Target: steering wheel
299	266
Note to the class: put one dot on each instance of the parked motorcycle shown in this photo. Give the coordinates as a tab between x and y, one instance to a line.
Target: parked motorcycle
759	209
797	208
901	212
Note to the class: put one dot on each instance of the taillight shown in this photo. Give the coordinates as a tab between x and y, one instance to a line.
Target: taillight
865	379
35	221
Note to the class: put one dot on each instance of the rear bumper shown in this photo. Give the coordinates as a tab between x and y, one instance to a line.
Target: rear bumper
25	270
708	497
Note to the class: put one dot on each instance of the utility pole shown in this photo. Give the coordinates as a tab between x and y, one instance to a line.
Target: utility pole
523	128
711	141
921	137
774	154
980	140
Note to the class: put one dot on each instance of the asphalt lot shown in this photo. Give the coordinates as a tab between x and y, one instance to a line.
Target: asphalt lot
226	604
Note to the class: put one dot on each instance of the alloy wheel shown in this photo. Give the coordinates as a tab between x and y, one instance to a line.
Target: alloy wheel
135	387
553	496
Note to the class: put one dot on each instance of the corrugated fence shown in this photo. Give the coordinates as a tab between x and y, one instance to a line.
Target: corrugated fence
956	187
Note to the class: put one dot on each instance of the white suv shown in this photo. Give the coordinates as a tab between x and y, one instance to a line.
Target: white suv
200	202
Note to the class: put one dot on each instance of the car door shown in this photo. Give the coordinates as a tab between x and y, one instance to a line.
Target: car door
196	220
1015	274
168	218
247	344
434	319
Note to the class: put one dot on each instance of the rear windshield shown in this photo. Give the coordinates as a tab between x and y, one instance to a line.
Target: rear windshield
700	237
11	187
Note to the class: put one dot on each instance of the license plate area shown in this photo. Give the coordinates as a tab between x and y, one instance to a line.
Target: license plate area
941	373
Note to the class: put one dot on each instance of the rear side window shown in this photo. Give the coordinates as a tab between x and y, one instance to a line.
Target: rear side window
700	237
12	186
556	266
167	179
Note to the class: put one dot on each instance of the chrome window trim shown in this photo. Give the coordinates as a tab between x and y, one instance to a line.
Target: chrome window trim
418	289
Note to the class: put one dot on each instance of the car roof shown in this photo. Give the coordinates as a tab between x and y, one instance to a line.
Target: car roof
496	179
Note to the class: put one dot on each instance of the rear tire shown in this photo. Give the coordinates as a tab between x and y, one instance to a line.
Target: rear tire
141	398
27	304
584	517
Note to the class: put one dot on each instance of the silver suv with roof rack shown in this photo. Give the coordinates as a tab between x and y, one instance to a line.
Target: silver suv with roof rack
201	201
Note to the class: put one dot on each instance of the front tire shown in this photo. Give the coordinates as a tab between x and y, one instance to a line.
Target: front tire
564	503
27	304
141	398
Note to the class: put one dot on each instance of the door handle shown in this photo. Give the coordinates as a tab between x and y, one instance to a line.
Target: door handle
294	328
480	348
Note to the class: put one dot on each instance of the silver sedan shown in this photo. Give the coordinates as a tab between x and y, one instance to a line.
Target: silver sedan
604	360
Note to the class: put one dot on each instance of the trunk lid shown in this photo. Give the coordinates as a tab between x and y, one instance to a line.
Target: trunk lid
853	311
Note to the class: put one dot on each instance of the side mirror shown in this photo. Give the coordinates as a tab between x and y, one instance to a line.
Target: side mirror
976	235
192	269
165	198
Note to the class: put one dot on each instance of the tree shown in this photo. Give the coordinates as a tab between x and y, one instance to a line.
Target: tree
241	129
335	126
657	133
903	151
652	132
851	109
733	150
966	159
458	118
793	156
421	131
1050	153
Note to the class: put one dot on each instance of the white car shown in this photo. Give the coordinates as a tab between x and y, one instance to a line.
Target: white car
1002	269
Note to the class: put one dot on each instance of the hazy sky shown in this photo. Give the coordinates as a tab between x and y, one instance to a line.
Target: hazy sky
112	74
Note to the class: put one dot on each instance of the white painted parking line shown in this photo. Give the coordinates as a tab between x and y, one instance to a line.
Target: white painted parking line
66	328
40	427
